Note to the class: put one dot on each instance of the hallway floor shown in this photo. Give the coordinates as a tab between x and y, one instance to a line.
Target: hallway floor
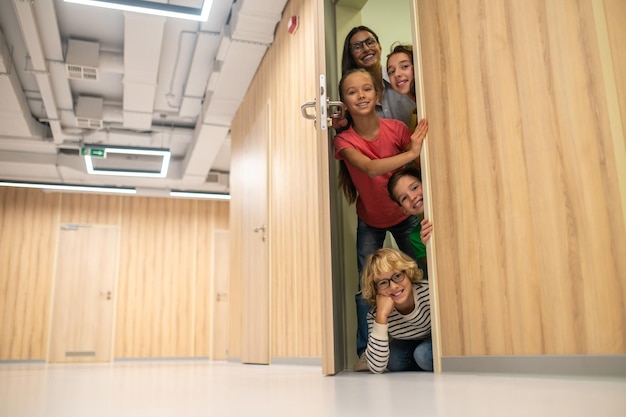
221	389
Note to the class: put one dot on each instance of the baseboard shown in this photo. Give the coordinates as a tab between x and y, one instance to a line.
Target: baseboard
296	361
582	365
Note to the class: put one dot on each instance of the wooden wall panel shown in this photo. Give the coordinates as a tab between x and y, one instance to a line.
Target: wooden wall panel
28	235
165	272
156	278
91	209
528	219
286	79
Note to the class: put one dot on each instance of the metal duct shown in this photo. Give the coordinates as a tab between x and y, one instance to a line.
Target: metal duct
143	37
39	27
15	118
241	50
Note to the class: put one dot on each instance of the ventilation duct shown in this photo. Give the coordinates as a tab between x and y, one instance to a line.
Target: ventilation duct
81	60
89	112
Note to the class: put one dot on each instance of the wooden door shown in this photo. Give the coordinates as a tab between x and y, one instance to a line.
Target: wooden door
527	166
221	279
331	258
83	307
426	182
255	287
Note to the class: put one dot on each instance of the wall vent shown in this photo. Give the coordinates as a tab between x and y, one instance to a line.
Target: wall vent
80	354
222	178
69	151
213	177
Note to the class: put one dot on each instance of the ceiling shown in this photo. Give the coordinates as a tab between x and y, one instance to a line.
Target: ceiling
75	78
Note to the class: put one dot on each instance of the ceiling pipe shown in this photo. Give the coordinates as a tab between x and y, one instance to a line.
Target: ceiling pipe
143	39
239	54
43	48
15	117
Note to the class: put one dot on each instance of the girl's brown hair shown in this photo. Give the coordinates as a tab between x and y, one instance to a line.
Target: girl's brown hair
345	180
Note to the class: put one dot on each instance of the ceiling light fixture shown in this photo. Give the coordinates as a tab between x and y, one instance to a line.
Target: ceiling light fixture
192	194
149	7
97	163
64	187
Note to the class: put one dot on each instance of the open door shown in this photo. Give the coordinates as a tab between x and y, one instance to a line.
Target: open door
336	294
426	186
333	345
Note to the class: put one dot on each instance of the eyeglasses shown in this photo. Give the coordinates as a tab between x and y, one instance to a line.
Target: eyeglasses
357	47
383	284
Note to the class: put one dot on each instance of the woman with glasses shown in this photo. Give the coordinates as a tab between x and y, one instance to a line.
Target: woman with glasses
399	317
362	49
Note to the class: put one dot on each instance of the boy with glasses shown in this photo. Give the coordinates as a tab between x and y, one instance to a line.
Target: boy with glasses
399	317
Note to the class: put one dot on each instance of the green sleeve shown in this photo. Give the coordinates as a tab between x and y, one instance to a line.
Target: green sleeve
416	242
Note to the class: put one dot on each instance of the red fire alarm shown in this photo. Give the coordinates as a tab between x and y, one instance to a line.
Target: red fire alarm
292	24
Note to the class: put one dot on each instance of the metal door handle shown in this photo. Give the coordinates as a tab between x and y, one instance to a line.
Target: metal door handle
305	113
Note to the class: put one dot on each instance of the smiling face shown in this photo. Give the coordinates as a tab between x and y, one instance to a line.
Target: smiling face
408	192
366	53
400	71
358	93
400	292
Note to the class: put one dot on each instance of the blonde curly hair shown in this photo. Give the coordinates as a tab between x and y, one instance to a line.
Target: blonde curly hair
382	261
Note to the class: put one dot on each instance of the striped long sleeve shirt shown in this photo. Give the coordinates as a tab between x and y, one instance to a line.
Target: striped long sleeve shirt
413	326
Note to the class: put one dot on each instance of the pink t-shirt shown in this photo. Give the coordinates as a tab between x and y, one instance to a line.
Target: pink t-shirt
373	204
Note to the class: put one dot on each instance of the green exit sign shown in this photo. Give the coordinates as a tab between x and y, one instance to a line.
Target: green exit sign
93	152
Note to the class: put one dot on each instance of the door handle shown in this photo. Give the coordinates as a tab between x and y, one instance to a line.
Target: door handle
335	109
304	111
262	230
331	109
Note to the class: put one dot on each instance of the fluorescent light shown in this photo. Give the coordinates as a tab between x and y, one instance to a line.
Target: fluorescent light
150	7
162	173
63	187
193	194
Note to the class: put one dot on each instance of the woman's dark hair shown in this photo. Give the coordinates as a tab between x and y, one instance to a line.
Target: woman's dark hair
347	60
408	171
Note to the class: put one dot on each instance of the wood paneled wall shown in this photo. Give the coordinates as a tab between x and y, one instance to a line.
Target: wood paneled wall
285	79
163	296
29	221
527	169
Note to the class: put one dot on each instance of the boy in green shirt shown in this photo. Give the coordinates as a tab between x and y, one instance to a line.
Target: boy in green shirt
405	188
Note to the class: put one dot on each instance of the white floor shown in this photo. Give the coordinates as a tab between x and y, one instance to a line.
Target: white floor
202	388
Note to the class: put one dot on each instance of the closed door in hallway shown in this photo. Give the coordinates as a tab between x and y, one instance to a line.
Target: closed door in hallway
83	309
